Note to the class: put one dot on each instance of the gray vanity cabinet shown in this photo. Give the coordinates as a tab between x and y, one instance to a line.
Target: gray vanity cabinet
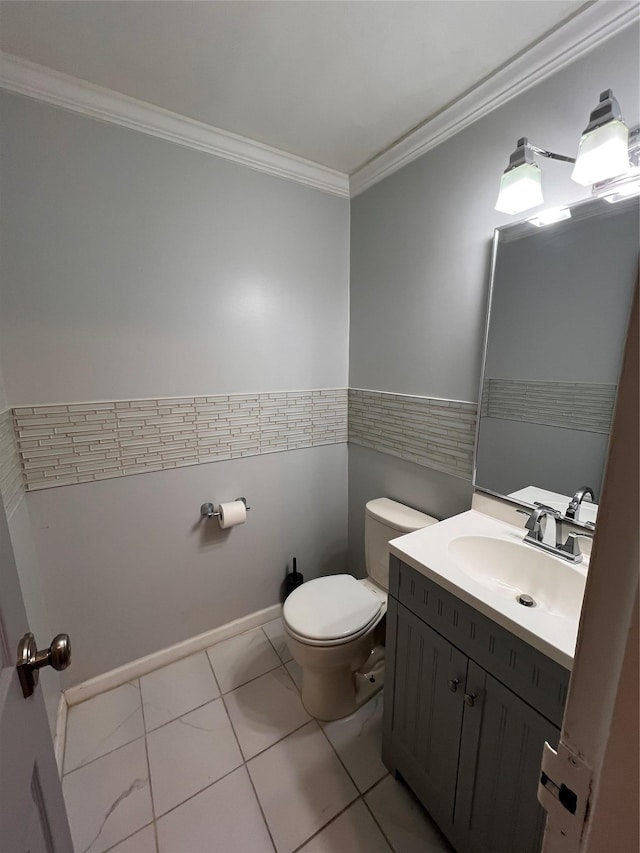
500	752
427	708
455	727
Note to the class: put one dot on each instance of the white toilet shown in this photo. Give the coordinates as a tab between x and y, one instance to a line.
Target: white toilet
333	624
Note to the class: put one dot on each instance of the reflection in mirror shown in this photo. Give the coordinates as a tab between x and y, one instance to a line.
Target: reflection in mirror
559	309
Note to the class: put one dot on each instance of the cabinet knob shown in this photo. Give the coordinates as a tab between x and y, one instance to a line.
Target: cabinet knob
453	684
470	699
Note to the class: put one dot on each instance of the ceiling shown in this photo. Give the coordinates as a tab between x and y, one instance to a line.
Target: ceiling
333	82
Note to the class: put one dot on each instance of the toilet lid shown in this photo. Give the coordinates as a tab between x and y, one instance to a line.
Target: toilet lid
330	608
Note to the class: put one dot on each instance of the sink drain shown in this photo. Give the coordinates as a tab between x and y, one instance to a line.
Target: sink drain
525	600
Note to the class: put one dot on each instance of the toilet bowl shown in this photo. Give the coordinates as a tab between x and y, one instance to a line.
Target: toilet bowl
334	626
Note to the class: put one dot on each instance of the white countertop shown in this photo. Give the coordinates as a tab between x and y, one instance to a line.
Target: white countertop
427	551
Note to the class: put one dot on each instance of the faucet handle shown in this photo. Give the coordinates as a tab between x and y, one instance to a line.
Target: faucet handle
548	509
572	547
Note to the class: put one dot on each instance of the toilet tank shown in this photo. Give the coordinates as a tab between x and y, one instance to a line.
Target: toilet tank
385	519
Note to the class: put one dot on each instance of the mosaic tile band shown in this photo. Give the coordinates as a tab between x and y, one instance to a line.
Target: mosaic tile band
569	405
83	442
11	481
435	433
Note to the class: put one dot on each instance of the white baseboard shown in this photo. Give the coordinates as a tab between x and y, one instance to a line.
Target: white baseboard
60	735
143	666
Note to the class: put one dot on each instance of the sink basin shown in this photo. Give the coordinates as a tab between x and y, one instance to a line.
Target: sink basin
510	569
484	562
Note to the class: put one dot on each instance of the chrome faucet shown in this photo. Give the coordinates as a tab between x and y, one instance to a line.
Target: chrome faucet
535	534
573	509
536	525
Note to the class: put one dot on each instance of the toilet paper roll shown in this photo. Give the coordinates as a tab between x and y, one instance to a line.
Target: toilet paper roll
232	513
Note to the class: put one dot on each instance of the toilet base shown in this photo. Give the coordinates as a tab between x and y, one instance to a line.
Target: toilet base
338	693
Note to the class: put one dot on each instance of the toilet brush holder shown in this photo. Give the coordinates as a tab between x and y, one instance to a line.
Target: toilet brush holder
293	580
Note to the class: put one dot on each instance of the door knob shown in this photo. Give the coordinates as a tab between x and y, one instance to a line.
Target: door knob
453	684
30	660
470	699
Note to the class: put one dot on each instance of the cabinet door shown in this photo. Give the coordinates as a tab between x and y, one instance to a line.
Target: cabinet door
426	712
500	754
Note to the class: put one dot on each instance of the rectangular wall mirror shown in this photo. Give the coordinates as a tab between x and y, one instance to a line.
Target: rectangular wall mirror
559	308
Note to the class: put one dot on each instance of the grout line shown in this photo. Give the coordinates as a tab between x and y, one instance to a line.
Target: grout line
284	737
113	846
255	678
197	793
180	716
272	644
104	755
328	823
264	817
115	748
375	819
370	788
146	752
244	763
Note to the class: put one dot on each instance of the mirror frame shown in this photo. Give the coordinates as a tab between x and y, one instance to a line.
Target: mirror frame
525	223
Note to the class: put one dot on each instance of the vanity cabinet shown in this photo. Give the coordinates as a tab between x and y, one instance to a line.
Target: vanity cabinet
468	707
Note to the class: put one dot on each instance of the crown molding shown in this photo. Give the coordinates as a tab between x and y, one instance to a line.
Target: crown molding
586	30
579	35
62	90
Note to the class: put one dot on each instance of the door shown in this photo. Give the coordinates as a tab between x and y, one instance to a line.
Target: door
427	712
33	818
502	739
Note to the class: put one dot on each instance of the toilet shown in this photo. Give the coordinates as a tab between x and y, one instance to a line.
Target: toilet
334	625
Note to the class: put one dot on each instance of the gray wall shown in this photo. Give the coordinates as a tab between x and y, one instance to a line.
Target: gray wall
373	474
131	568
136	268
421	242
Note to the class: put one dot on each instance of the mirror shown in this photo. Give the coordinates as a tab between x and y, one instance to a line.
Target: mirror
558	312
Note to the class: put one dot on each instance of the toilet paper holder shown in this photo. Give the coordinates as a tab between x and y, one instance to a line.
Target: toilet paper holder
208	510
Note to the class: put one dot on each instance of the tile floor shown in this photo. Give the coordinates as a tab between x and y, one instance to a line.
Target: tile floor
216	754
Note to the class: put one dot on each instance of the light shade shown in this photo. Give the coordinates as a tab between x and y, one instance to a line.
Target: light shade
603	153
520	189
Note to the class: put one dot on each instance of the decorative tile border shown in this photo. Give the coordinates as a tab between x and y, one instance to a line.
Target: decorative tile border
83	442
11	480
435	433
73	443
569	405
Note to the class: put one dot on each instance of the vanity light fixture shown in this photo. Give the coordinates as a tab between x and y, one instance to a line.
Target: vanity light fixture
550	215
604	146
520	185
603	154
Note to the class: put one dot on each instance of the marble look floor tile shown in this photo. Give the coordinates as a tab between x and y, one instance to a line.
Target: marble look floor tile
355	831
102	724
265	710
173	690
142	842
109	799
301	785
358	741
190	753
225	818
406	824
242	658
295	671
277	637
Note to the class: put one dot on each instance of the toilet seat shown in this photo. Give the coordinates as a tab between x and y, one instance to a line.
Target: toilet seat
332	610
